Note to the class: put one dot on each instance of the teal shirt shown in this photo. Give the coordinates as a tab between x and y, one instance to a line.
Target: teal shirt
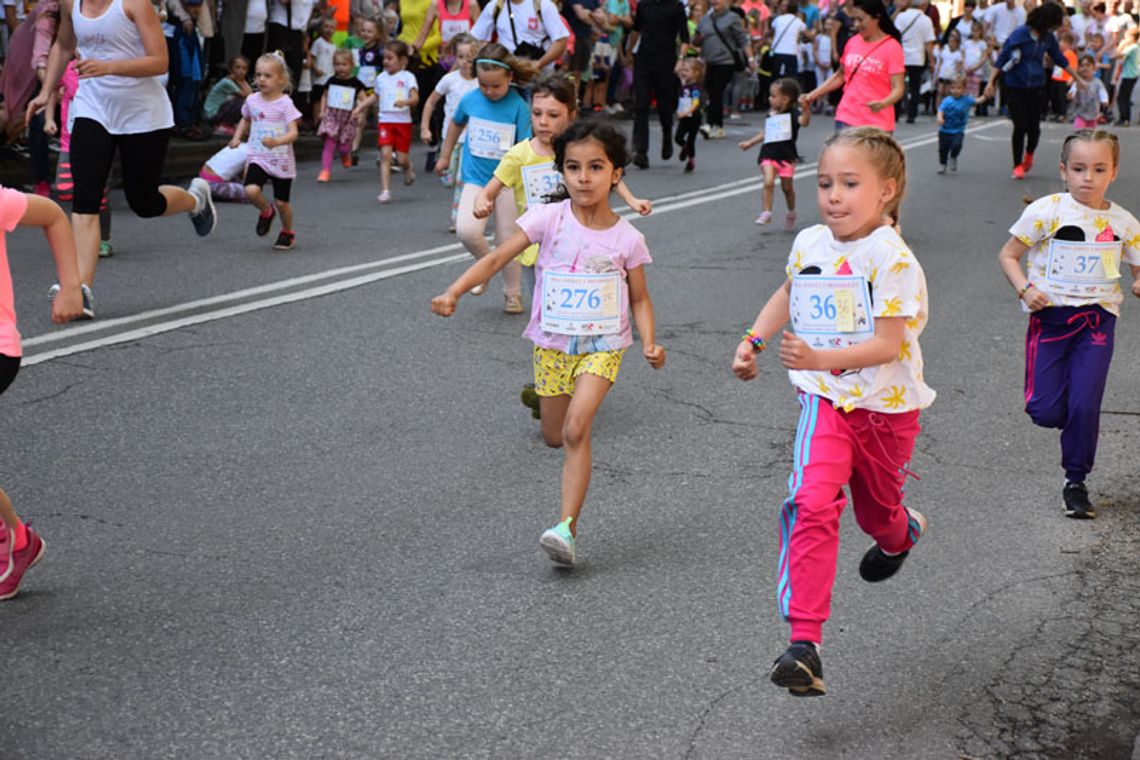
618	8
1130	65
225	89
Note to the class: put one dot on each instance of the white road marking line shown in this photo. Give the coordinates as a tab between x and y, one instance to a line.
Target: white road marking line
662	205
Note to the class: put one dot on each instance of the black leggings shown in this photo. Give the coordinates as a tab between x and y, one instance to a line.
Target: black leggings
1025	112
717	79
141	155
9	366
1124	98
687	130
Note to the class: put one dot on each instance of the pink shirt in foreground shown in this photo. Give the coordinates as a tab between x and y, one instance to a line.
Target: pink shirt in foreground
13	204
565	245
867	70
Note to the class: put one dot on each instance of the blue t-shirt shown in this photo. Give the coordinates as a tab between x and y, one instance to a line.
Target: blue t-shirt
493	128
955	114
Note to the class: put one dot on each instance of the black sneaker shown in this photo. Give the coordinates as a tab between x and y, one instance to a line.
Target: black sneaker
1077	504
666	150
284	241
355	158
530	399
684	154
265	222
641	161
689	166
877	566
799	670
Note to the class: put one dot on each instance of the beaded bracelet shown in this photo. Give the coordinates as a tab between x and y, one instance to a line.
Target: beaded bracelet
757	342
1025	289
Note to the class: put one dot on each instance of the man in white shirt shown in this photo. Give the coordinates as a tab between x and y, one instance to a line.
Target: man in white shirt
1120	22
547	33
286	32
918	51
1002	18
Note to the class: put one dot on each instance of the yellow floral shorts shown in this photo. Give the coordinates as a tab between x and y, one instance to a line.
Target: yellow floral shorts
555	371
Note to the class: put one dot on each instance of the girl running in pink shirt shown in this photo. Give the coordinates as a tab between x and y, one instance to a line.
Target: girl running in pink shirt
856	298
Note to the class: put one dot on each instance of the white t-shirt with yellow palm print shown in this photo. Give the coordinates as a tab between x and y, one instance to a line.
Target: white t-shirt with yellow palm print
897	288
1069	246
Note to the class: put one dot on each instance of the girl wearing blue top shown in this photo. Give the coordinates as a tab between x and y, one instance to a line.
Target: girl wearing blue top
1022	69
496	117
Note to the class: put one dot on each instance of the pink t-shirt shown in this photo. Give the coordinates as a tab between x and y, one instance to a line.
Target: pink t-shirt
69	83
270	118
867	70
566	246
13	204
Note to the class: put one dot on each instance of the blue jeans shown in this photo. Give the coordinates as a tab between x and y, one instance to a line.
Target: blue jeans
949	143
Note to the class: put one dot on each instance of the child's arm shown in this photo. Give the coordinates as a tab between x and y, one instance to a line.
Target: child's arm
880	349
322	104
429	20
485	201
479	272
756	140
239	132
425	120
363	106
640	205
453	132
805	117
941	117
771	318
1010	261
1135	280
834	82
412	100
42	212
642	307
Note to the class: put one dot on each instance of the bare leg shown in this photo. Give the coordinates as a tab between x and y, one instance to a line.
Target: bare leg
385	167
178	201
553	410
256	197
769	185
789	192
85	229
406	163
589	391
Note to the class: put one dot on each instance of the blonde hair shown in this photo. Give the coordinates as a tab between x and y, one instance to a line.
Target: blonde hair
885	155
278	58
1092	135
343	53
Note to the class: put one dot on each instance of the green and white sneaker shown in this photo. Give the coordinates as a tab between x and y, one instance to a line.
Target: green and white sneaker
529	398
559	542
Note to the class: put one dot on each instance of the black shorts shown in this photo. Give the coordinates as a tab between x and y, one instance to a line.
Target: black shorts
141	156
255	175
583	54
9	366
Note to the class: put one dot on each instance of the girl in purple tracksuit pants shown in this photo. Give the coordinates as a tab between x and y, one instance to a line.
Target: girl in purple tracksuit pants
1077	243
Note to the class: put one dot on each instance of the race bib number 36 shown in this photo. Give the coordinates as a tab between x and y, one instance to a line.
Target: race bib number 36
489	139
581	303
1079	269
831	312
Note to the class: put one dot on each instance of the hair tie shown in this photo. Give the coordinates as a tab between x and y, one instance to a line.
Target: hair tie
493	62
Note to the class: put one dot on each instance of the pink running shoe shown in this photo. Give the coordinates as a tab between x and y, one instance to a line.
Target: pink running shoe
7	541
790	221
21	561
764	218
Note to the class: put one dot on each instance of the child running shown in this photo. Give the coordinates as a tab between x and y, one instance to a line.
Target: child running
778	154
20	546
953	117
270	118
855	361
1076	242
1089	100
495	117
221	171
451	88
590	275
370	61
397	94
335	113
689	110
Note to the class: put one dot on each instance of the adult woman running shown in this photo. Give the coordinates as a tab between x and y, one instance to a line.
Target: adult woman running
872	73
121	105
1021	66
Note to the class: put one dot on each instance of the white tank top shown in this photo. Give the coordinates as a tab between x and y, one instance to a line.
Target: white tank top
123	105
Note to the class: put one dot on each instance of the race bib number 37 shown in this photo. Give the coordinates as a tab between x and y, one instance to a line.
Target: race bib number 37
1079	269
831	312
581	303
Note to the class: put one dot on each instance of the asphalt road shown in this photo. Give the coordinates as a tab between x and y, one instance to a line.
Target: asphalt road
291	514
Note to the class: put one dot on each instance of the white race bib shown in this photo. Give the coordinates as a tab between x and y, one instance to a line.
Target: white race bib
489	139
581	303
1083	269
367	76
258	131
831	312
340	97
684	103
778	128
451	27
390	96
540	181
